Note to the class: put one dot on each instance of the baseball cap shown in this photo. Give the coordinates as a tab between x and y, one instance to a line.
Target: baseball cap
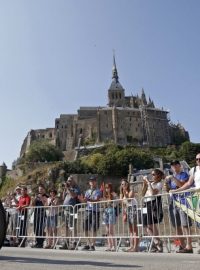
175	162
92	178
18	187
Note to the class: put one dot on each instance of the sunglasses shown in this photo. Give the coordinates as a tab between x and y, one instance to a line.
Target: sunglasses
197	159
153	174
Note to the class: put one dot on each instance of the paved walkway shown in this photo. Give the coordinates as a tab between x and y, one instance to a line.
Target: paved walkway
32	259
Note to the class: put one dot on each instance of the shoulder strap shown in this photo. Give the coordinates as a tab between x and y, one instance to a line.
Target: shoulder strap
194	170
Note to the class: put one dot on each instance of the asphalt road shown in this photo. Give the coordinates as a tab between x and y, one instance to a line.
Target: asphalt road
31	259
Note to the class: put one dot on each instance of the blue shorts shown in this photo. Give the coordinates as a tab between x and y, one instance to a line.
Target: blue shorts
52	221
109	216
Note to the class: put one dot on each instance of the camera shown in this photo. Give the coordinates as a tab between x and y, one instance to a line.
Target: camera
68	184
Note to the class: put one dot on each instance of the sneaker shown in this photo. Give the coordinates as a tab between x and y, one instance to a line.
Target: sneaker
92	248
64	247
185	250
73	247
180	248
86	248
48	247
37	246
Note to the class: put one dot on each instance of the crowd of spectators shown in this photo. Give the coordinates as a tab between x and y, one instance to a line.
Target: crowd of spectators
45	217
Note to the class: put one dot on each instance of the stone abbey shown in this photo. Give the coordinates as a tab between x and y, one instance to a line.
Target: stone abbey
125	120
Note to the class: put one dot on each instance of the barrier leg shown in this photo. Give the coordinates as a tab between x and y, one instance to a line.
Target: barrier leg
120	240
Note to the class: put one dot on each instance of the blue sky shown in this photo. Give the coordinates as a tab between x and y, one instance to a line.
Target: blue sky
56	55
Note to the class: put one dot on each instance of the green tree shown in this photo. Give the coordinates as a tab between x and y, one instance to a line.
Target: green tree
92	161
43	151
188	152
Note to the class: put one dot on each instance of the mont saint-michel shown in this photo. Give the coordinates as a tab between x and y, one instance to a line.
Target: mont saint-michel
132	119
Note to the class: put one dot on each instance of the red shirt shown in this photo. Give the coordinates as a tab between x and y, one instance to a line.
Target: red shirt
24	200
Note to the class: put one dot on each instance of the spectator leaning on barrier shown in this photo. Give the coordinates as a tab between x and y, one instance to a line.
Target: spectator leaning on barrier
14	214
70	197
39	221
24	202
52	219
91	221
193	182
130	212
178	217
17	193
194	178
153	205
109	215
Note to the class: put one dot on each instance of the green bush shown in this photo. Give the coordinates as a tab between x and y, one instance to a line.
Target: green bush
43	151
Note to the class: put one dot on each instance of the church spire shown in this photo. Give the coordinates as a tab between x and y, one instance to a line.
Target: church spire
114	70
116	95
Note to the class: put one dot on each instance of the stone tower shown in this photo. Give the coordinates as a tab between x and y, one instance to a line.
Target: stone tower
116	93
3	170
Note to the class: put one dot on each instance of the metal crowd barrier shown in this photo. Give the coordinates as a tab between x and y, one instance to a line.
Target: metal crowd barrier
150	217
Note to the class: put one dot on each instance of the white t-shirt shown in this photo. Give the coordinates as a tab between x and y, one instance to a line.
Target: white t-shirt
52	210
154	185
130	202
196	176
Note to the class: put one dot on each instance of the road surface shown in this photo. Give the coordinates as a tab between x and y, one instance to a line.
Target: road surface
32	259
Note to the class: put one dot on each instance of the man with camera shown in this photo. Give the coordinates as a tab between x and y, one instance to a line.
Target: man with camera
71	191
179	219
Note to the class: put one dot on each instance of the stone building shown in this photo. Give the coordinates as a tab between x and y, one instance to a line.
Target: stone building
3	170
37	134
125	120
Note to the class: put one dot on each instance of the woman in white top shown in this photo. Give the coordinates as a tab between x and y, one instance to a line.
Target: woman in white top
130	204
52	219
153	203
109	215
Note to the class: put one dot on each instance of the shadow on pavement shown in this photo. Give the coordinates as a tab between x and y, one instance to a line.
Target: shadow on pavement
27	260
